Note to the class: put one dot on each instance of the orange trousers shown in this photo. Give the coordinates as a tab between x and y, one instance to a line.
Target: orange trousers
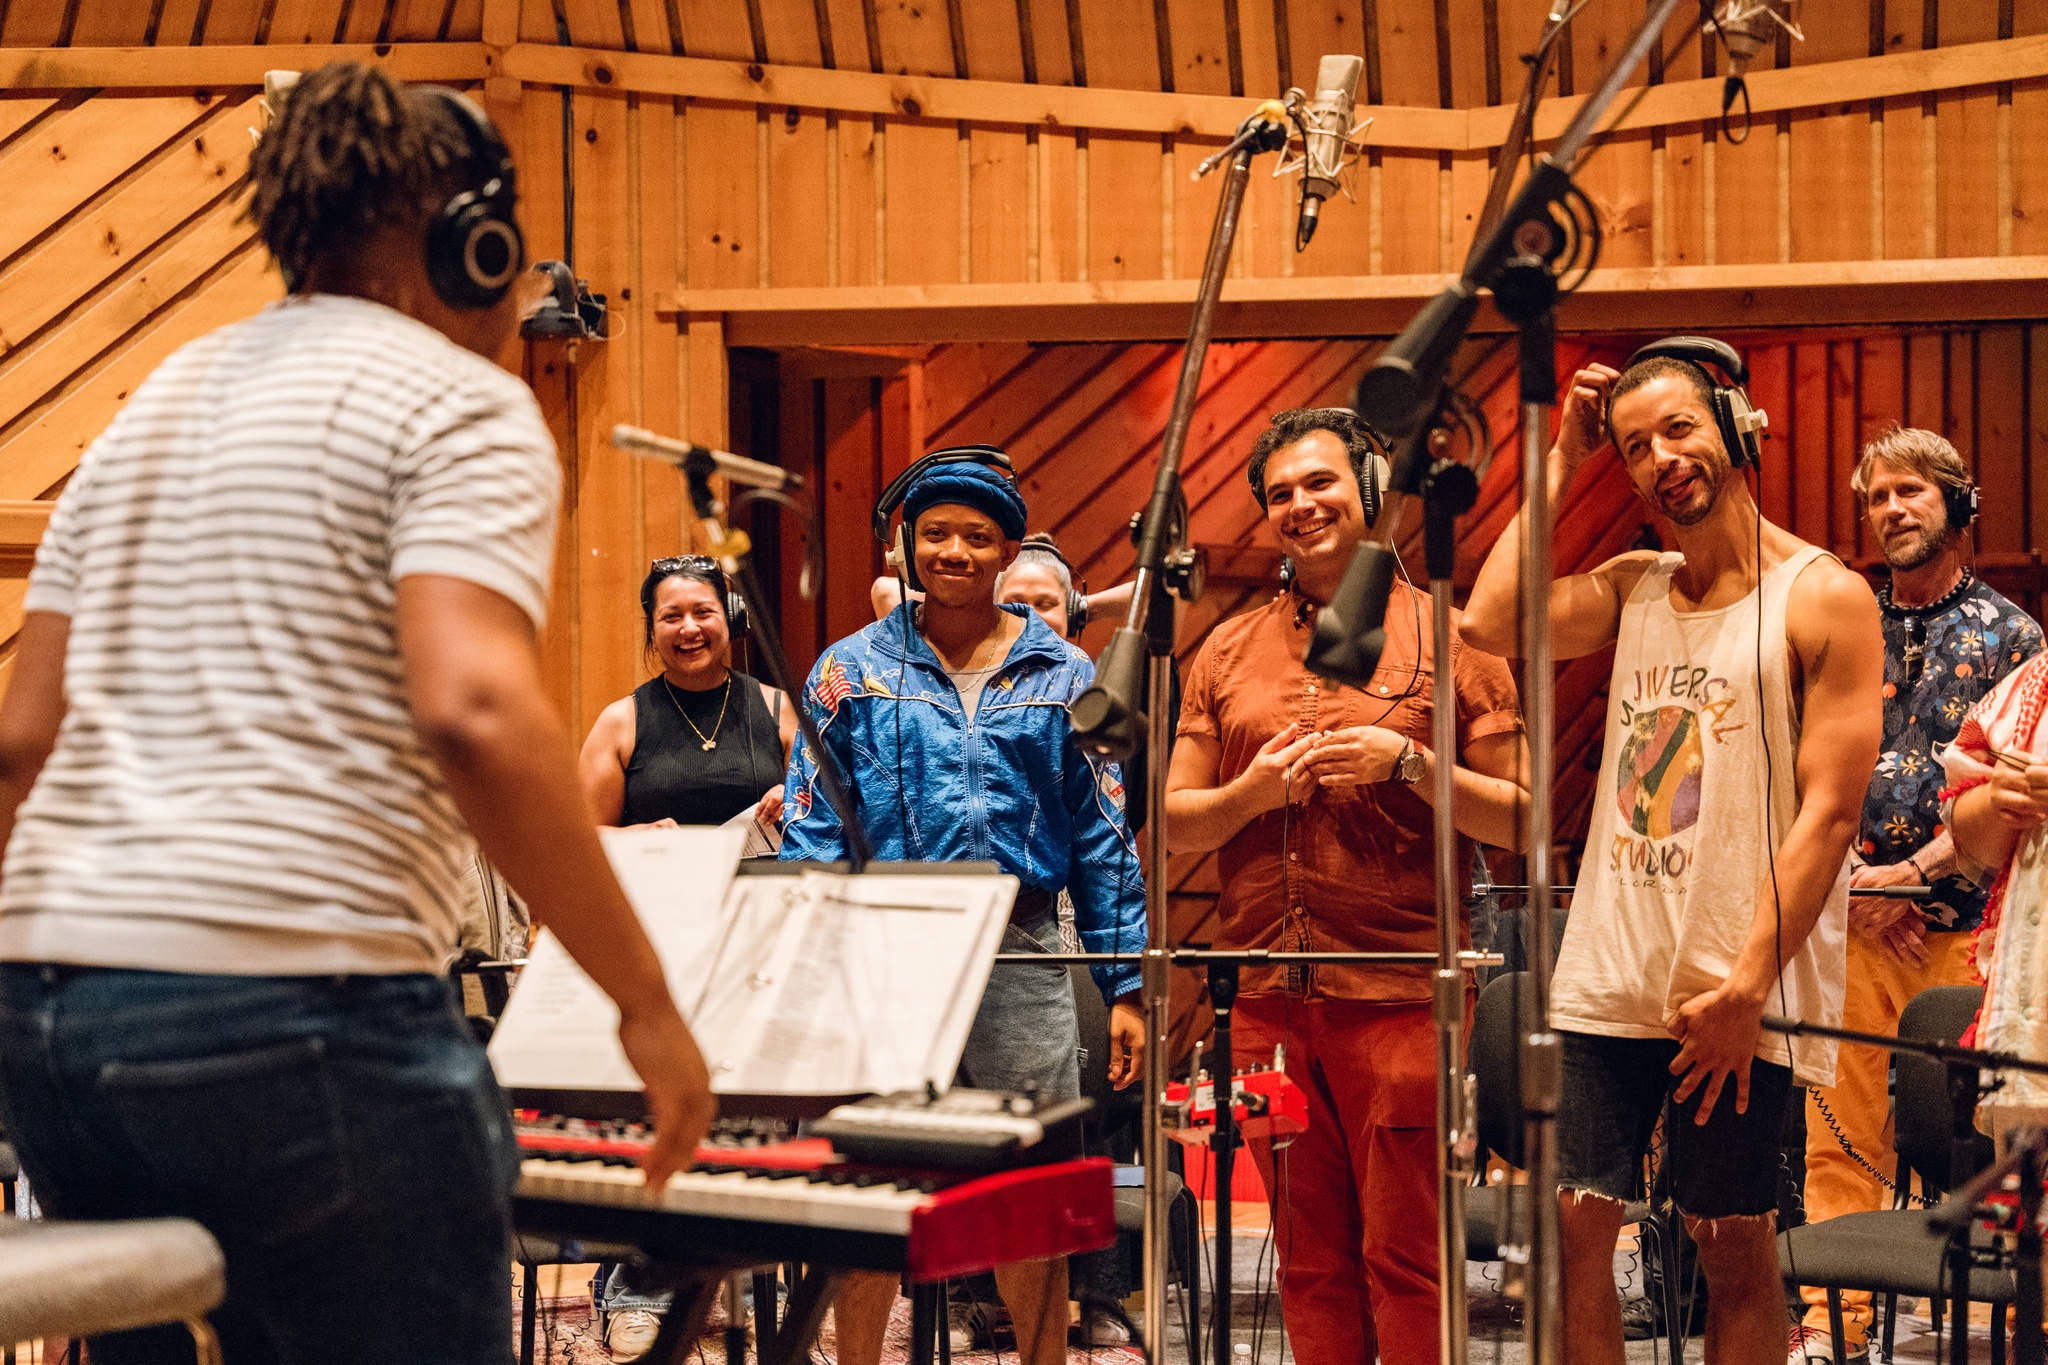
1879	986
1354	1197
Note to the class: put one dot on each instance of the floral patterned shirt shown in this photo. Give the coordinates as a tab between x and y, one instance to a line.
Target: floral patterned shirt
1938	660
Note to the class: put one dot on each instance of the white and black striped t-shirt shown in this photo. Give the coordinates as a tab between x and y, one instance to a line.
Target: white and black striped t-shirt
238	786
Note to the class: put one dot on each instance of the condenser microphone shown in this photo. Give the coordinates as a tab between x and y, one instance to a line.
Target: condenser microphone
1747	27
681	454
1325	136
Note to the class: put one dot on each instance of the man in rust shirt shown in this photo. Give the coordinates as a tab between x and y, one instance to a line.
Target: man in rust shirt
1316	800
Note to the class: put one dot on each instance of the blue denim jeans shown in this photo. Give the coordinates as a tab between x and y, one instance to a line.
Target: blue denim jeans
342	1137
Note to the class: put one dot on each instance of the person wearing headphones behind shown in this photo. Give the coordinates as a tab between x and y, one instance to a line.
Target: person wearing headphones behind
235	875
696	744
1742	726
1317	800
949	718
1948	640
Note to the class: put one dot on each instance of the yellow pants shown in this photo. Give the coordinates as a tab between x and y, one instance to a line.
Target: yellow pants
1879	986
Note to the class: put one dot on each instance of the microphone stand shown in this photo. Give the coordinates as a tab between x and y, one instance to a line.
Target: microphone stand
1111	721
732	551
1967	1086
1399	396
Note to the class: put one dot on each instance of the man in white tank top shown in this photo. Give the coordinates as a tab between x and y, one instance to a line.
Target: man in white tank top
1742	726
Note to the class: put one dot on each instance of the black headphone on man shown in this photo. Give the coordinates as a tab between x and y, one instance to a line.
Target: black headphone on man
1741	423
900	556
474	247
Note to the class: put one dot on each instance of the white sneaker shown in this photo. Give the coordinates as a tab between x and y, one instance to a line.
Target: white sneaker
630	1333
1811	1346
968	1327
1099	1327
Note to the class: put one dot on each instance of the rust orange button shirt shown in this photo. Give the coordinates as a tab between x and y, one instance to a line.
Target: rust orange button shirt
1357	872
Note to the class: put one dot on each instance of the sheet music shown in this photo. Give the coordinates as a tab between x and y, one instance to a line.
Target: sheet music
819	984
764	837
872	985
559	1031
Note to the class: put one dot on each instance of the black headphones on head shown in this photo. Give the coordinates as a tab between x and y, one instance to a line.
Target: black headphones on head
900	556
474	247
1960	500
1076	594
734	605
1741	423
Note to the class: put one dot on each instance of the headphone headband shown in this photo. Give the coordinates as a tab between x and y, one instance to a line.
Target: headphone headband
1701	351
899	487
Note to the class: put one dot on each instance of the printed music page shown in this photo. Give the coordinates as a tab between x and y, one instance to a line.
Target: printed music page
872	985
559	1031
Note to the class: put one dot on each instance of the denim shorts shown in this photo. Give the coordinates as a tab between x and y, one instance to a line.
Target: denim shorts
1025	1035
342	1138
1614	1091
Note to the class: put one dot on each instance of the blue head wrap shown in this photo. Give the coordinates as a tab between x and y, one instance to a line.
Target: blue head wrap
971	485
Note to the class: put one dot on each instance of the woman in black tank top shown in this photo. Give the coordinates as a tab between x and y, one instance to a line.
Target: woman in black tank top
697	743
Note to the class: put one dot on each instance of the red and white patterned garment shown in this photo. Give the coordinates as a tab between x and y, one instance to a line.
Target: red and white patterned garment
2012	945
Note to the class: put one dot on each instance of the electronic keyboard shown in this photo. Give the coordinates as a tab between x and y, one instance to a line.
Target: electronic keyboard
800	1201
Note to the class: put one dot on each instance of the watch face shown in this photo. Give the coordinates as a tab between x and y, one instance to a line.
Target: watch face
1411	768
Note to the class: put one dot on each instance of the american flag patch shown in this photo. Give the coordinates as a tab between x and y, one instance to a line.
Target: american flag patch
833	688
1108	785
802	800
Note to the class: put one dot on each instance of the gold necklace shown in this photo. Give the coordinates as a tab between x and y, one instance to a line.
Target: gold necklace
710	742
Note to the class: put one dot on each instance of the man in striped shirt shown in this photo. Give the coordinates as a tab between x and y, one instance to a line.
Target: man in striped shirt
278	664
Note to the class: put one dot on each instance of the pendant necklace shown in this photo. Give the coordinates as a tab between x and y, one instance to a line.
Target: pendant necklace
710	742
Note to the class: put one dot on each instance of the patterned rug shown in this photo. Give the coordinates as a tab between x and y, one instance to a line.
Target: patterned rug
565	1335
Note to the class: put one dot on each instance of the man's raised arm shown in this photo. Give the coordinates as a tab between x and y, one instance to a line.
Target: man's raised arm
1585	609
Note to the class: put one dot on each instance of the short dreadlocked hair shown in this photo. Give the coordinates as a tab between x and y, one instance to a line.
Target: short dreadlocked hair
353	150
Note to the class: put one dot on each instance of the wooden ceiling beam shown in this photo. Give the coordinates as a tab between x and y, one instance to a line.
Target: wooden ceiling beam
72	68
754	83
1806	294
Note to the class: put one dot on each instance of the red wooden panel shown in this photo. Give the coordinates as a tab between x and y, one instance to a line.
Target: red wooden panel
1926	381
1999	453
851	458
718	28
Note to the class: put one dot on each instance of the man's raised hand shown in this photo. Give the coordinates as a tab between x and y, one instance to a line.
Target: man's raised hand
1582	425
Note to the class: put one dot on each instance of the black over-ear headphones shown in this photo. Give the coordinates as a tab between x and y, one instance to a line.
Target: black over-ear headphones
1960	499
900	556
1741	424
734	605
474	248
1077	591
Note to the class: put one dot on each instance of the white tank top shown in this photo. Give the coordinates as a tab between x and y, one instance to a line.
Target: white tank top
1676	859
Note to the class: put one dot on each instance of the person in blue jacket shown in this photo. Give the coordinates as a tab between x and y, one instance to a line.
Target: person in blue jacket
949	719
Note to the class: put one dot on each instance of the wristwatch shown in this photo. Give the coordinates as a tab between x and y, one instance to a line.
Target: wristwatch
1410	765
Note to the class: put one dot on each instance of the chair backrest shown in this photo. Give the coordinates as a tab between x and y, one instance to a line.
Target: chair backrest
1492	1057
1113	1108
1925	1115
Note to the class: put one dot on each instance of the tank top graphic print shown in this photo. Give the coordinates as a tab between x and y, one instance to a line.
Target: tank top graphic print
1676	854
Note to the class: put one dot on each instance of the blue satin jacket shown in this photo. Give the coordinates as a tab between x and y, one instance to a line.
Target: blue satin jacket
1009	786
